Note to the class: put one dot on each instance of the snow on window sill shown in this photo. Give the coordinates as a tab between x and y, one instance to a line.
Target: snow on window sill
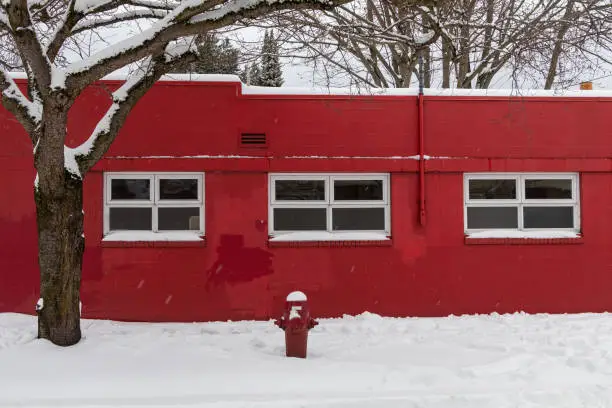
153	239
328	239
513	237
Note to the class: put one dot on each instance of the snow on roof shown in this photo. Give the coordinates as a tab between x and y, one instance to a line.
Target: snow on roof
165	78
260	90
519	93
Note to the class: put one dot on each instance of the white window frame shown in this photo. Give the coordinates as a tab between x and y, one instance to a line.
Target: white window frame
520	201
329	203
153	202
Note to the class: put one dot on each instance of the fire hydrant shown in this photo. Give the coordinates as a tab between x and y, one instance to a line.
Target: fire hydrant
296	322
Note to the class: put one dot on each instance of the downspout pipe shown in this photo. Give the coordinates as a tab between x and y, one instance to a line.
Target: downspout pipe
420	106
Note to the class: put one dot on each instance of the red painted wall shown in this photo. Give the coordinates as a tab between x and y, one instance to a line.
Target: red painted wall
426	271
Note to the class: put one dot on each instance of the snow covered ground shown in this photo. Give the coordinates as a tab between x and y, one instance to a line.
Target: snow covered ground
355	362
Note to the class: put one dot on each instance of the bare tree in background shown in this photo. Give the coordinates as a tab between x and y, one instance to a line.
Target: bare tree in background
579	43
464	43
39	34
372	42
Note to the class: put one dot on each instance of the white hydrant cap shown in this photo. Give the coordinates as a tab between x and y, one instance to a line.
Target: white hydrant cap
297	296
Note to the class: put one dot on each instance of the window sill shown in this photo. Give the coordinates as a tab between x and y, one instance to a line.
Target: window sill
145	239
327	239
523	238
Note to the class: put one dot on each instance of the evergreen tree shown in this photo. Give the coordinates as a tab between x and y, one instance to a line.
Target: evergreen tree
243	74
271	72
251	74
215	57
227	58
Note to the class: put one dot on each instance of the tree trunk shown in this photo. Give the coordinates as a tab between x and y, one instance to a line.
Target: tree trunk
558	47
484	80
464	67
61	243
446	62
427	67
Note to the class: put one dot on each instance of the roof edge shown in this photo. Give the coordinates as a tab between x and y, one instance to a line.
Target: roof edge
260	90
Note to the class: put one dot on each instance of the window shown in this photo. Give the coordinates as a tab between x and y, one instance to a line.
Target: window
336	203
158	203
521	202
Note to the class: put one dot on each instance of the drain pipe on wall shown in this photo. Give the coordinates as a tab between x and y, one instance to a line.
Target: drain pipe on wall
422	219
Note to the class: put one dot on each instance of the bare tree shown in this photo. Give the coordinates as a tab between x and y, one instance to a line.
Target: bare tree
467	43
584	29
371	42
39	33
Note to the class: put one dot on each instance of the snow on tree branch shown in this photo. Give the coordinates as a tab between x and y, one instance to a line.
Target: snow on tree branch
28	113
156	5
103	128
85	6
95	23
80	159
179	48
191	17
96	6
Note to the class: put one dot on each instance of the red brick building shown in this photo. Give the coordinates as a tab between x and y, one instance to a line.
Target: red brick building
216	201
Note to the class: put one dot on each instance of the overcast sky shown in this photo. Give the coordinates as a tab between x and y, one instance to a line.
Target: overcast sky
300	75
297	75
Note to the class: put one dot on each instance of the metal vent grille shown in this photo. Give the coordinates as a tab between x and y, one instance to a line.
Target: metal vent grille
253	140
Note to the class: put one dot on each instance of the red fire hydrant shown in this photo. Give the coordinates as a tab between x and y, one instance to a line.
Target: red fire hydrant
296	322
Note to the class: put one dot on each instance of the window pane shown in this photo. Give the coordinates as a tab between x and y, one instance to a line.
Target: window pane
492	189
130	189
358	190
548	217
492	217
300	219
358	219
300	190
178	189
137	219
178	219
548	189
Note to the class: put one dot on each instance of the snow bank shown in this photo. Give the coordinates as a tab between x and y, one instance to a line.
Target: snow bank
364	361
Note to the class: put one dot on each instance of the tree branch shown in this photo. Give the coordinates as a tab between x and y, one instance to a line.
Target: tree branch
28	113
93	24
81	74
25	38
124	100
63	31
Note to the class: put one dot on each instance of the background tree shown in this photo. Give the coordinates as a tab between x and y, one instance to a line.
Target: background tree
43	34
214	56
464	43
264	68
271	71
251	74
